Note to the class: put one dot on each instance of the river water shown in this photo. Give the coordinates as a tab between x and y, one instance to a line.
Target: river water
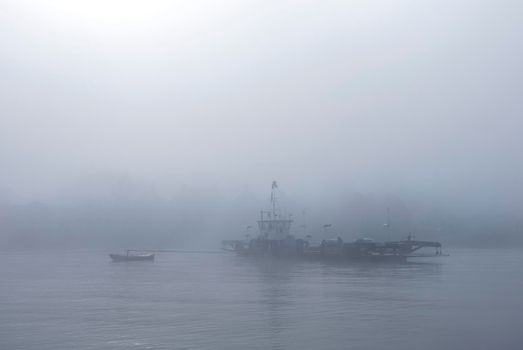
472	299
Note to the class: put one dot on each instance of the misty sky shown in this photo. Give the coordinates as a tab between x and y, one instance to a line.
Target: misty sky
417	98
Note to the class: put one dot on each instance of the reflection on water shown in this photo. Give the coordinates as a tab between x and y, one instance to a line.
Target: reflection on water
218	301
324	290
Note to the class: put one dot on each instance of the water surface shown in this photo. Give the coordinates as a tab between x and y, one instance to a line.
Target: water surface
80	300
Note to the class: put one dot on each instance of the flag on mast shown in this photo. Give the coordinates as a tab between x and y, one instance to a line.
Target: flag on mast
274	185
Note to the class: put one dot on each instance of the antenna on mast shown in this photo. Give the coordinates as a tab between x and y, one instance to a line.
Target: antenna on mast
387	225
273	197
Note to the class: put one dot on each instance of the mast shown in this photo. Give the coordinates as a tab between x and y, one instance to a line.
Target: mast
273	197
272	224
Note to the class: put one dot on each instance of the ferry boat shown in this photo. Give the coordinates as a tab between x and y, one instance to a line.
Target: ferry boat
275	240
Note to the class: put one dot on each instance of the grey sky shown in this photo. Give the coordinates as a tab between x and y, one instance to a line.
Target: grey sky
419	98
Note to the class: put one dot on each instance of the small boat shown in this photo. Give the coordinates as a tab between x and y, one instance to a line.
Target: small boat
131	257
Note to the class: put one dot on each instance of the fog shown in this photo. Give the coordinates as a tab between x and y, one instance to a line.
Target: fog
163	124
